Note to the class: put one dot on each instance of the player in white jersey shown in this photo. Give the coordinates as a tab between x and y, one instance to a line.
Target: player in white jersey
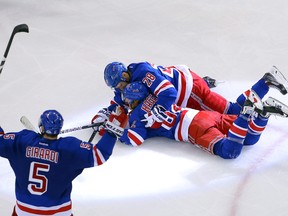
45	165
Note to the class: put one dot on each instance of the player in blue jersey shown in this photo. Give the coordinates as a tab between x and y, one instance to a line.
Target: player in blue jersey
178	85
45	165
220	134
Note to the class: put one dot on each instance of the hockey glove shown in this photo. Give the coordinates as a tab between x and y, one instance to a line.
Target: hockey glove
1	131
117	122
101	117
157	115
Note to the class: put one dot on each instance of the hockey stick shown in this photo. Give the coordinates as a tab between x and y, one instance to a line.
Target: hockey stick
96	125
93	135
18	28
28	125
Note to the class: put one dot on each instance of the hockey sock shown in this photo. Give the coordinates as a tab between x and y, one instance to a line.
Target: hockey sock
239	128
255	129
260	88
231	147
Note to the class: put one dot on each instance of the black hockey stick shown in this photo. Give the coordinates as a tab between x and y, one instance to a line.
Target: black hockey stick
96	125
93	135
18	28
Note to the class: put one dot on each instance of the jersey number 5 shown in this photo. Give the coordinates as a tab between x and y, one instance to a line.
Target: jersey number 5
39	182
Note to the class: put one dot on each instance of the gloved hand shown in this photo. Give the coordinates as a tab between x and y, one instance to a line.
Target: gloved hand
158	113
1	131
101	117
117	121
156	117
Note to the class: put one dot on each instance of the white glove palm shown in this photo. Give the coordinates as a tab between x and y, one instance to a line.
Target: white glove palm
157	114
101	117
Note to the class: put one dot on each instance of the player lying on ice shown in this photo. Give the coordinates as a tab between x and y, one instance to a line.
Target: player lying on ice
220	134
177	85
45	165
115	72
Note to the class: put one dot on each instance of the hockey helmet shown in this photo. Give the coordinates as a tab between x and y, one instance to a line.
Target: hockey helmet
134	91
51	121
113	73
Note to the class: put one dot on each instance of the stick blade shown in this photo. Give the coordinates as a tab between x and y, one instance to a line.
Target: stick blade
28	125
21	28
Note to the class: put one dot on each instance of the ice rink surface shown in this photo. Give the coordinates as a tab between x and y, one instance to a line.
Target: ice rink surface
60	63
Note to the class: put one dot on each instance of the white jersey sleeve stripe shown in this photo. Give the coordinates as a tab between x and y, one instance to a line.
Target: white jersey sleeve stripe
134	138
182	129
185	84
98	157
165	84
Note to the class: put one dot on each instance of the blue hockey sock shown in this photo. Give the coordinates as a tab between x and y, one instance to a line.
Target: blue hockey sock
261	89
255	129
231	147
239	128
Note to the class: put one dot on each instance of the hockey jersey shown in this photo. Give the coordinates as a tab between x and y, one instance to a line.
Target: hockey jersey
45	169
174	127
172	84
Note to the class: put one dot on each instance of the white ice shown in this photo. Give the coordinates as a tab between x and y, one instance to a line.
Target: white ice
60	63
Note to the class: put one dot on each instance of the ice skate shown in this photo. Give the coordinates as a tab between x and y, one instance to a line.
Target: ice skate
252	103
275	79
274	107
210	81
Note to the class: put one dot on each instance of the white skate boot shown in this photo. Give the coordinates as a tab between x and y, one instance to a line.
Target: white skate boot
275	79
273	106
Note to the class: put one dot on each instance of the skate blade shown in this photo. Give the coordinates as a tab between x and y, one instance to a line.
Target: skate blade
278	104
279	76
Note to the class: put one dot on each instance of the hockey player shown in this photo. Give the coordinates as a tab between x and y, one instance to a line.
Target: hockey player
220	134
45	165
177	85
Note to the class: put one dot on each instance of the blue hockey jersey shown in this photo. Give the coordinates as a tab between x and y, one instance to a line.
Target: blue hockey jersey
45	169
174	127
171	85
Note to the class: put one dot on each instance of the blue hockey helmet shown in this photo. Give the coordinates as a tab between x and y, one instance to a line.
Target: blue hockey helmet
134	91
51	121
113	73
